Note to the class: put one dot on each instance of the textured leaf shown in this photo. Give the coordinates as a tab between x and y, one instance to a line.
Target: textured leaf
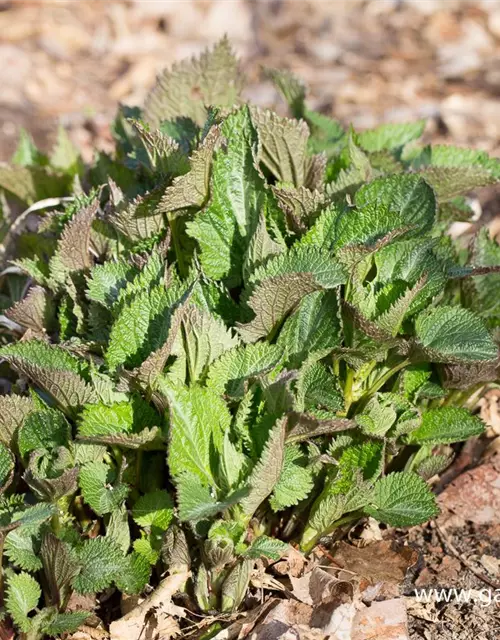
267	547
267	470
450	182
13	410
118	418
52	368
192	188
60	567
291	88
101	560
402	500
23	594
6	467
299	204
67	622
205	338
154	509
387	204
34	311
72	253
45	429
391	136
440	155
95	481
22	548
280	285
260	248
224	228
314	326
452	334
230	373
295	481
192	85
150	439
445	426
134	574
235	585
107	280
198	420
483	292
317	389
138	219
197	500
283	146
118	529
434	465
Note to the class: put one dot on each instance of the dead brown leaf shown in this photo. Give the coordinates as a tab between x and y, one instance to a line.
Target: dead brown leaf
382	561
154	617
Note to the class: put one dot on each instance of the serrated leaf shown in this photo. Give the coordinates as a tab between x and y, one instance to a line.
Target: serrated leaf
291	88
53	369
45	430
282	283
267	547
267	470
234	368
198	501
300	205
101	560
138	219
13	410
34	311
283	146
445	426
193	85
198	420
107	280
154	509
192	188
387	204
452	334
402	500
317	388
67	622
22	548
391	136
134	574
72	253
23	594
60	568
260	248
235	585
96	483
450	182
205	338
483	291
224	228
7	462
433	465
314	326
295	481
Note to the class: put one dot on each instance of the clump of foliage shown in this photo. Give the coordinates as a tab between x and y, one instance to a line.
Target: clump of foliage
238	332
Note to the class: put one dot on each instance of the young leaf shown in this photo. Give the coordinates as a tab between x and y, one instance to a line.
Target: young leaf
295	481
402	500
101	560
266	547
23	594
45	430
445	426
95	481
154	510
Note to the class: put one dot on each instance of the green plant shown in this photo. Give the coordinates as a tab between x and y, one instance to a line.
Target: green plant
240	331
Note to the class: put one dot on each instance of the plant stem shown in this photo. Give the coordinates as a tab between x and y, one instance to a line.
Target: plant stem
379	383
308	546
349	381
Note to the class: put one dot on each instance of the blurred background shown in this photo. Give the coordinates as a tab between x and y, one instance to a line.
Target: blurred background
366	62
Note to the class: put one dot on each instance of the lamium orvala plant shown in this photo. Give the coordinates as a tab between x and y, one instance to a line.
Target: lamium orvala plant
239	332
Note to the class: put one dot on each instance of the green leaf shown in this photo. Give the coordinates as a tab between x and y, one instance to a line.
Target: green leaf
67	622
198	420
445	426
230	373
402	500
385	205
107	280
35	311
291	88
134	574
53	369
391	136
267	470
44	430
223	230
197	501
22	547
101	560
96	482
295	481
118	529
314	326
192	85
60	567
7	462
452	334
266	547
281	284
154	510
118	418
13	411
23	594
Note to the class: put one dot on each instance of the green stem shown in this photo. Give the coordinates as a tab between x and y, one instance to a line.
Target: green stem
312	541
183	270
379	383
349	381
2	541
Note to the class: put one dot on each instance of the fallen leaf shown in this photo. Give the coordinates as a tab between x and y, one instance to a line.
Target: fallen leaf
154	616
288	614
383	561
491	564
293	565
